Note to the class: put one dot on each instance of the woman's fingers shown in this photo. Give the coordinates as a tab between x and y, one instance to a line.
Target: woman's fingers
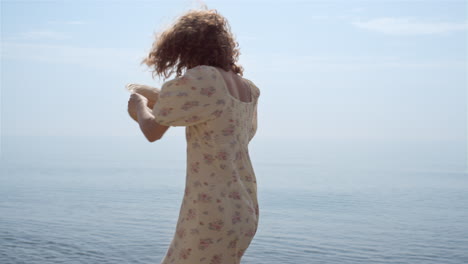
131	108
151	93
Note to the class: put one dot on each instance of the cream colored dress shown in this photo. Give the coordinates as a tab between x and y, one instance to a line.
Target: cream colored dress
219	213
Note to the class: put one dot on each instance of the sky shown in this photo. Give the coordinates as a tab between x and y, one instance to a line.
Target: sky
367	73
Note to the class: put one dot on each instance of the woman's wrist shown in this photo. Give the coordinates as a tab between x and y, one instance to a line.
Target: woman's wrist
143	111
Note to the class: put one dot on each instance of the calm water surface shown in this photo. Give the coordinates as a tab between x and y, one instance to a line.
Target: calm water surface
70	215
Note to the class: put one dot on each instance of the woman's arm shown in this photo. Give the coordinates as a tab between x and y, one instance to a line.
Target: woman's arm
152	130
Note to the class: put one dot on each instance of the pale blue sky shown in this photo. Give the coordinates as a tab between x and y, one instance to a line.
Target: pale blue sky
348	71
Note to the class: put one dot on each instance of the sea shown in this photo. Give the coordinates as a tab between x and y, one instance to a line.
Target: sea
341	204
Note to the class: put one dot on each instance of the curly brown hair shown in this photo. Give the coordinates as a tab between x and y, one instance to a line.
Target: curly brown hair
199	37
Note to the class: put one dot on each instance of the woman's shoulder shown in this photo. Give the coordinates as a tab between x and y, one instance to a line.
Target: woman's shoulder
255	89
198	83
196	74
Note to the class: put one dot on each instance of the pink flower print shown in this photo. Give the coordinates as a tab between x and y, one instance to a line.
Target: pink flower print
222	155
230	232
204	198
191	213
187	190
228	131
238	155
251	210
233	143
195	167
234	195
220	208
234	176
165	111
189	104
240	253
248	178
223	166
208	158
181	232
204	243
193	119
182	94
236	218
216	225
208	91
197	184
165	94
181	81
220	102
184	253
233	243
170	251
250	233
216	259
207	135
217	113
195	145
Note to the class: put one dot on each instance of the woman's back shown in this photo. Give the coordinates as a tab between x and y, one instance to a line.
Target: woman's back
237	86
202	101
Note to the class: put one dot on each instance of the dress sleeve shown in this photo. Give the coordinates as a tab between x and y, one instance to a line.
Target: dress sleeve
195	97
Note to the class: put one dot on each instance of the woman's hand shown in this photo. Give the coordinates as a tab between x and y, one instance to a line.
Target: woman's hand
151	93
133	103
139	111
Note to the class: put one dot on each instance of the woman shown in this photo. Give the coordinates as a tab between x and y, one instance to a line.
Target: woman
219	212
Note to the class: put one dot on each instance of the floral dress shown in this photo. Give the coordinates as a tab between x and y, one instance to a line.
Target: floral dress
219	213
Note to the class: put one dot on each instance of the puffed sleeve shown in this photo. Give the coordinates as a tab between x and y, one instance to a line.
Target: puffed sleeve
196	97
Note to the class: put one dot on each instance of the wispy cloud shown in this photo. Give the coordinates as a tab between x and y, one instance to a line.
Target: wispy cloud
75	22
42	34
94	58
409	26
70	22
314	63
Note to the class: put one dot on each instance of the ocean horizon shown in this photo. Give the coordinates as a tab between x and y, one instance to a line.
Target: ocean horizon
313	211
